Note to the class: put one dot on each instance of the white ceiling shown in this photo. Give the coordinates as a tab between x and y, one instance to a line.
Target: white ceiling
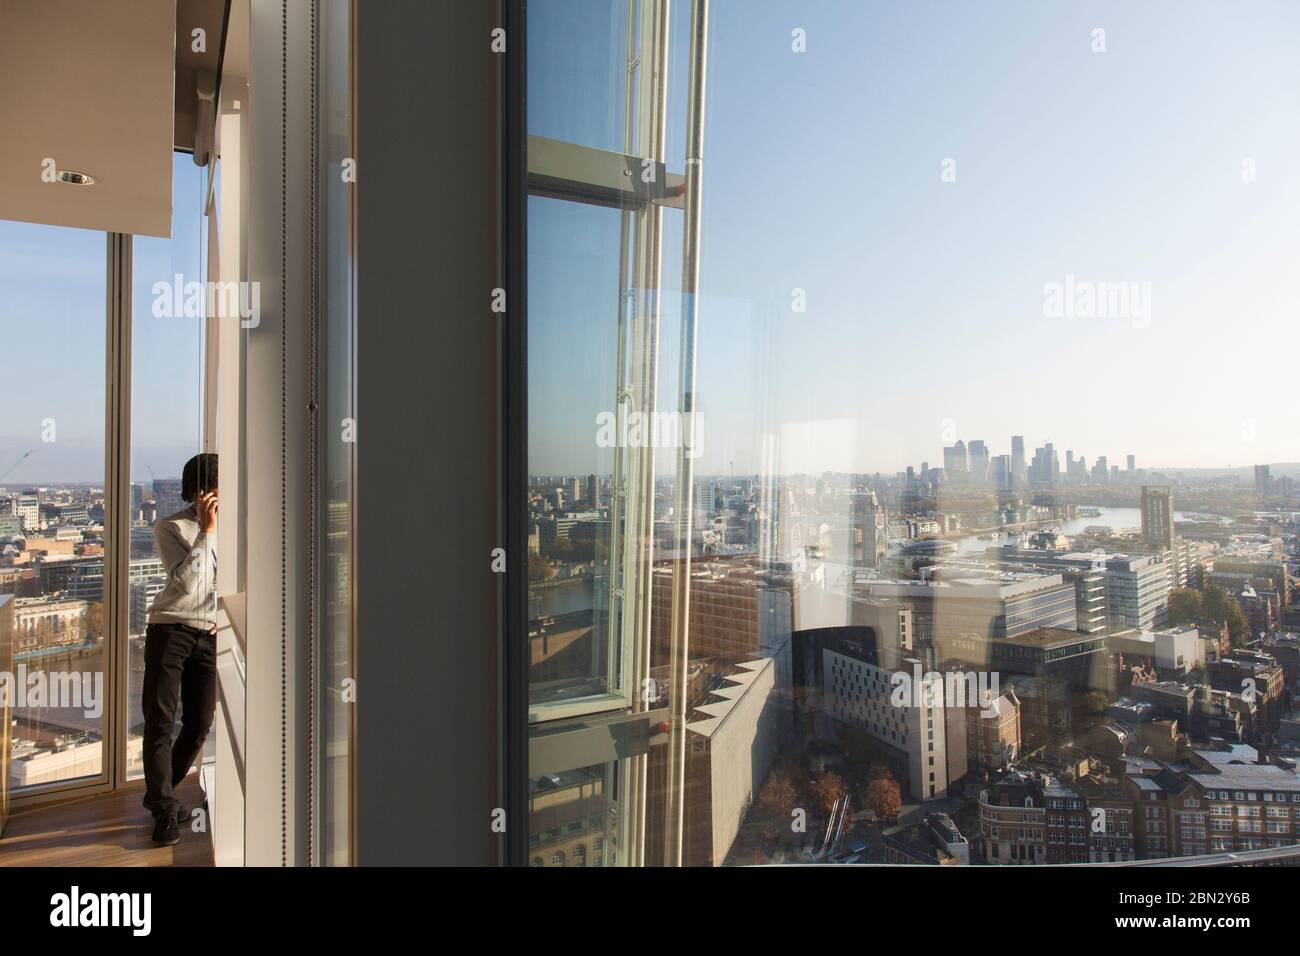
89	85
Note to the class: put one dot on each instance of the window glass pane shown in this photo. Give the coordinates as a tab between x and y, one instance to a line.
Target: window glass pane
52	627
574	253
167	341
583	90
573	817
962	528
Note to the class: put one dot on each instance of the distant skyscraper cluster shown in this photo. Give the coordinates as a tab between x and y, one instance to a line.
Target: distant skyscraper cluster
975	464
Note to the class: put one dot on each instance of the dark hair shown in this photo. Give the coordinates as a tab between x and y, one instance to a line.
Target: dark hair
200	475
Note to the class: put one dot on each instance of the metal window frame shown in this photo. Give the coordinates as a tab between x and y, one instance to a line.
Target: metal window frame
319	638
319	824
512	651
117	496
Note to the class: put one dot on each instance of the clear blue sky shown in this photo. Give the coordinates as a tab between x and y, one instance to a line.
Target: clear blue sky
52	301
925	298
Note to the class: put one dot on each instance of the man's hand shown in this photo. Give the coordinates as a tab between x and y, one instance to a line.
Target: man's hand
206	506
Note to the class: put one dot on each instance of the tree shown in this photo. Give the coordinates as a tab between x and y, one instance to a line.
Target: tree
1215	601
1186	606
1095	703
776	799
539	569
827	790
777	795
93	622
884	798
878	770
1238	626
572	549
1222	608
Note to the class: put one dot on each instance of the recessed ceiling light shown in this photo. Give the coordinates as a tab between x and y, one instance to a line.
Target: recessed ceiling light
74	178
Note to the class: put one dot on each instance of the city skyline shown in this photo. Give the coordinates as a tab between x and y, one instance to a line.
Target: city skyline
936	462
90	460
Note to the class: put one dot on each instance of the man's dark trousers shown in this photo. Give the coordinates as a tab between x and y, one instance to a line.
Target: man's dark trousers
180	667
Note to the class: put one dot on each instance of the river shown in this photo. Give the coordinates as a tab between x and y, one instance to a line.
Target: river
1113	518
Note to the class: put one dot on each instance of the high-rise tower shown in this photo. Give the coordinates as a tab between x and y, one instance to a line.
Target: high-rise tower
1158	517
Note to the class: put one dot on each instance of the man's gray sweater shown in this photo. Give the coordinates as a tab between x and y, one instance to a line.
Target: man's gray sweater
189	558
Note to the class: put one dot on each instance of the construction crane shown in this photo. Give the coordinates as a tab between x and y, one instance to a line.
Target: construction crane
14	466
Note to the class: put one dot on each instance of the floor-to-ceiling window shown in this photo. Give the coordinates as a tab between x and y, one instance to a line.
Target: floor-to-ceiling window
52	481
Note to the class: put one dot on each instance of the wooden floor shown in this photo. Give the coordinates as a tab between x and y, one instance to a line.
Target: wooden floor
108	830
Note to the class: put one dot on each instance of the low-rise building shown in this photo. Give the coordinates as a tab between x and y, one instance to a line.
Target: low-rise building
935	841
1259	679
1013	829
1250	806
1174	652
993	739
732	738
1066	822
49	621
1112	837
1213	801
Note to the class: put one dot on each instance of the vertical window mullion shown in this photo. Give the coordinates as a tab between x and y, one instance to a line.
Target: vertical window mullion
117	477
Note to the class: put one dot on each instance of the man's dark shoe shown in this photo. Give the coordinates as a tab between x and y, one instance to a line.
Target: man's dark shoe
165	830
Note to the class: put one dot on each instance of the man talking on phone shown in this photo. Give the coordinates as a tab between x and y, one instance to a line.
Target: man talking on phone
180	649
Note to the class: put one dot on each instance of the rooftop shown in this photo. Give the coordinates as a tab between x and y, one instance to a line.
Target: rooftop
708	719
1247	776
